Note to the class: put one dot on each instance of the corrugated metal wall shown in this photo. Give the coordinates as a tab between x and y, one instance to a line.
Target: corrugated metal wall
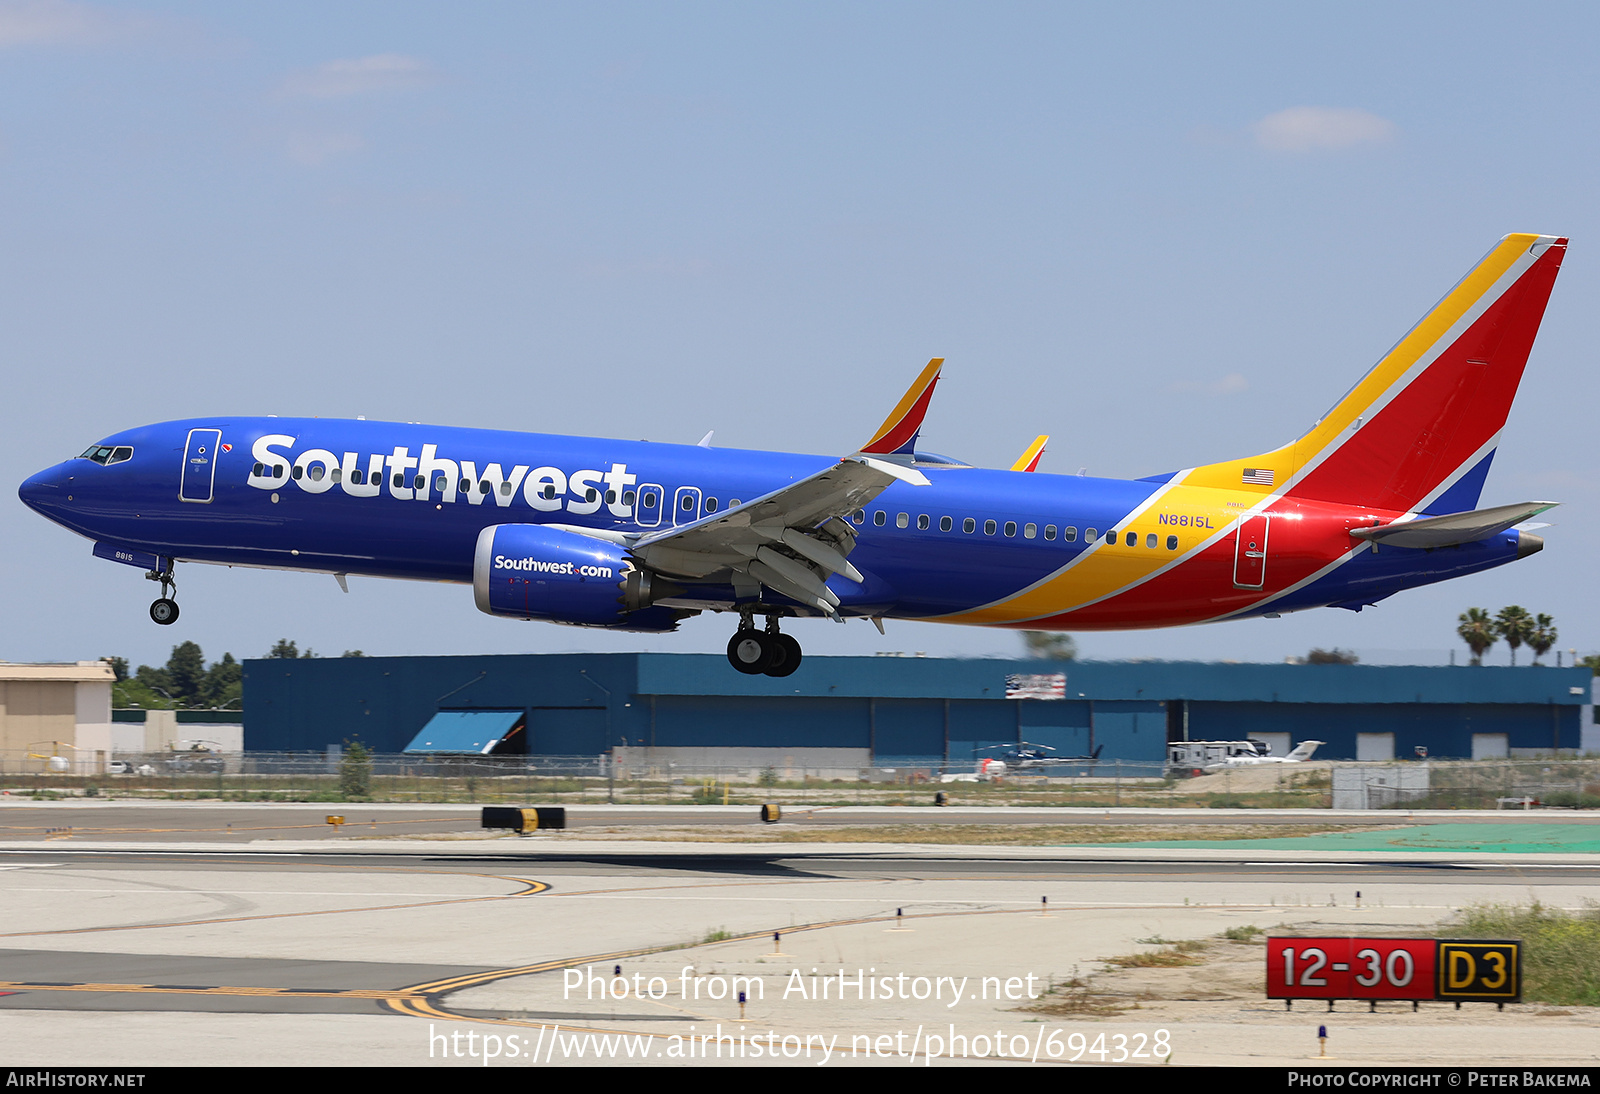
904	708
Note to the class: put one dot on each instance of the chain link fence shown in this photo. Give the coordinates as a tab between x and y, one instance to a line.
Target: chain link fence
333	776
336	776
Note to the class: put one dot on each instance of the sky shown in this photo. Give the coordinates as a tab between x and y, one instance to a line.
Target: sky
1165	234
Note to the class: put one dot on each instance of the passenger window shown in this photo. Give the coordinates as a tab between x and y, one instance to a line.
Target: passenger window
734	504
1150	540
627	497
336	474
422	480
1071	534
548	492
879	517
922	522
590	494
256	471
945	524
902	521
316	472
299	471
505	488
859	516
988	527
1133	539
358	478
1029	531
1049	531
1011	527
968	525
711	505
1089	535
399	480
611	497
1172	543
649	501
688	502
484	485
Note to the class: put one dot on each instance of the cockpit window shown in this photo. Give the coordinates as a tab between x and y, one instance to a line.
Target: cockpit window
105	454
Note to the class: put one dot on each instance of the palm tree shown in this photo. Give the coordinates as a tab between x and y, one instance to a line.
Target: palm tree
1477	631
1515	625
1542	637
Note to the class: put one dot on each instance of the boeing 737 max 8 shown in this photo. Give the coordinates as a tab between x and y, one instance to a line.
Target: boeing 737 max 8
1379	496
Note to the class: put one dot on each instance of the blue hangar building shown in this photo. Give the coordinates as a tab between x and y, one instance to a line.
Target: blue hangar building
895	709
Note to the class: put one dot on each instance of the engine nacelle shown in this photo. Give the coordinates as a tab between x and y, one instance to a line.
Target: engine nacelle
527	571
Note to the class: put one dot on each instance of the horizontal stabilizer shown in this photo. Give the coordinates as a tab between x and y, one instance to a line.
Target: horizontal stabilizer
1453	528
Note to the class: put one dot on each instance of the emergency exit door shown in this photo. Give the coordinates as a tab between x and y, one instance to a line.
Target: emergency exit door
199	465
1250	552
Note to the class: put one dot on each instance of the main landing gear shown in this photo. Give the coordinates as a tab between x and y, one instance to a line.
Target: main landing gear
767	652
164	610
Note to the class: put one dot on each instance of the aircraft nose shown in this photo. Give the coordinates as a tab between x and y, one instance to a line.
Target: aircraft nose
45	491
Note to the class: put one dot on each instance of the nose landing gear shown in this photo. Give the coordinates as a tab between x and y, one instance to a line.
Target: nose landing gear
755	653
165	610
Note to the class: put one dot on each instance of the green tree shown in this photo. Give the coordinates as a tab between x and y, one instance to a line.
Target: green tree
1335	656
1478	632
1515	625
1050	645
355	771
184	681
119	667
1542	637
287	649
224	683
186	668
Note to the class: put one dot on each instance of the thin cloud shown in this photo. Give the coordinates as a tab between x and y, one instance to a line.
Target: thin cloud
382	72
61	22
1231	384
314	149
1321	128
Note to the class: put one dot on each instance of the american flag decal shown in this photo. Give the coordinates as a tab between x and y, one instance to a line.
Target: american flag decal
1258	476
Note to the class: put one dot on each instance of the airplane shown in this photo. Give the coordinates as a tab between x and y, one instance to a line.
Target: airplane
1302	752
1377	497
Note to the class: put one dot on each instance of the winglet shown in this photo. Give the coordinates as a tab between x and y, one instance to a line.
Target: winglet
1029	460
897	436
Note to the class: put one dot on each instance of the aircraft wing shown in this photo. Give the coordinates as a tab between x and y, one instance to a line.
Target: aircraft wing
794	538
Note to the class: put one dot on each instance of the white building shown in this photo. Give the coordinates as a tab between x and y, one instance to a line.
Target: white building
55	717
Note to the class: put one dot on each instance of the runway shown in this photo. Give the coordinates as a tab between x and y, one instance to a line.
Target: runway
361	951
148	823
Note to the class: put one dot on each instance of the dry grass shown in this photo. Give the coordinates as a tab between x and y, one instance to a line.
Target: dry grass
1016	835
1078	998
1172	955
1560	949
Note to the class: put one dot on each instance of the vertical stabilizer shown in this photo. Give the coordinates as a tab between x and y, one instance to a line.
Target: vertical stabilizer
1417	433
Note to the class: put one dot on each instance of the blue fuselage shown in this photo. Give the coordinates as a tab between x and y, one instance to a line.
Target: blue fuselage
409	501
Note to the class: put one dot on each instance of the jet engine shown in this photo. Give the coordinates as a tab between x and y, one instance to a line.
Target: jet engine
528	571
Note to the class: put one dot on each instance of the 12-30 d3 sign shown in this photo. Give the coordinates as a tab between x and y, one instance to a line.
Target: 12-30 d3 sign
1394	968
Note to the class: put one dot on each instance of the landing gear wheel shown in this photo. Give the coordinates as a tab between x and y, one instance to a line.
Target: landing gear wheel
749	651
785	655
164	611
